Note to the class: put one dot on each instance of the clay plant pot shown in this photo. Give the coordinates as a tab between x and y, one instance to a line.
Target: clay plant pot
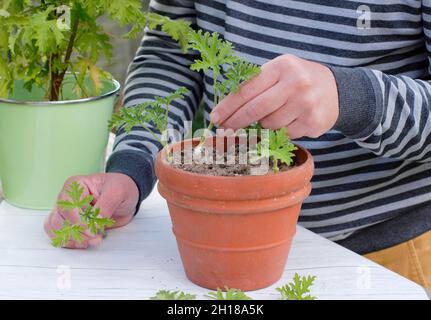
43	142
234	231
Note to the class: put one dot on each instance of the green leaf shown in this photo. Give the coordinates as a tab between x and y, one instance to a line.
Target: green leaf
128	117
90	217
38	43
213	50
150	114
298	289
280	148
44	30
240	71
66	233
66	205
4	13
93	43
178	29
6	79
75	192
173	295
96	223
216	54
124	12
230	294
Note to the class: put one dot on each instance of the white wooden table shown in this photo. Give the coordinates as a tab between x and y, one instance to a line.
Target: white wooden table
136	261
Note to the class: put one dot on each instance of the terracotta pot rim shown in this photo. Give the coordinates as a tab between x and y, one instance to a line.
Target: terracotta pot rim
261	205
270	173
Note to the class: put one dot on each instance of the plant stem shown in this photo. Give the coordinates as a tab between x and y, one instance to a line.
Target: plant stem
47	92
55	81
215	102
169	157
56	77
275	165
153	134
204	136
81	85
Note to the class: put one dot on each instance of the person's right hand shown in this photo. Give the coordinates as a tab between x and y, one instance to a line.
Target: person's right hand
115	194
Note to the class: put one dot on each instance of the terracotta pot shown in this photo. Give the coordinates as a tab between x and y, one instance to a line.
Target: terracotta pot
234	231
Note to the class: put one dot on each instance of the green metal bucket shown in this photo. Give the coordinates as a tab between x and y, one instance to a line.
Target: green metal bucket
43	143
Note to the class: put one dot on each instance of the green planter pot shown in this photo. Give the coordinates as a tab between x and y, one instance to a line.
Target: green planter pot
43	143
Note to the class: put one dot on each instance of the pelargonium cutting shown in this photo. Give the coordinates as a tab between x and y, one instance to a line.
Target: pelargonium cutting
297	289
229	71
89	217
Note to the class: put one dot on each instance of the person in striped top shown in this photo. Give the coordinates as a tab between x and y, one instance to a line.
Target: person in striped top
349	81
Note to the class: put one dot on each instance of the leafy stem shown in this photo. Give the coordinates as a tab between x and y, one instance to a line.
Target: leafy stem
228	71
173	295
229	294
80	84
153	134
57	79
298	289
278	148
66	233
149	115
90	217
216	54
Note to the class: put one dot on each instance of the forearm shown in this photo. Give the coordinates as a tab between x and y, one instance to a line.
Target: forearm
159	68
385	114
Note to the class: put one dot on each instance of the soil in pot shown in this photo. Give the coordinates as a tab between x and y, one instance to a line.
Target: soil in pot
223	169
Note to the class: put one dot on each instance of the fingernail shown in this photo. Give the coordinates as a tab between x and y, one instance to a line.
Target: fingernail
215	117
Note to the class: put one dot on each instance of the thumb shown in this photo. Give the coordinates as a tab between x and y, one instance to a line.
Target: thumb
111	204
108	202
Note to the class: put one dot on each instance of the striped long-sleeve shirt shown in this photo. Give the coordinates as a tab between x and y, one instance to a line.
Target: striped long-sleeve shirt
372	182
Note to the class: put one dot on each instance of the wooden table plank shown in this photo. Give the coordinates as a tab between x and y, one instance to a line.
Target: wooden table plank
139	259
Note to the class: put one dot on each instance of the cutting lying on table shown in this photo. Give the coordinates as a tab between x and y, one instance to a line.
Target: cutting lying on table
297	289
90	217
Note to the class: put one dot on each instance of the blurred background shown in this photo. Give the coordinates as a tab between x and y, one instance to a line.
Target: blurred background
123	49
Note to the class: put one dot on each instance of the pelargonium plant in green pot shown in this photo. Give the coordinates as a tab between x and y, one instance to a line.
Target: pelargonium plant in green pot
55	100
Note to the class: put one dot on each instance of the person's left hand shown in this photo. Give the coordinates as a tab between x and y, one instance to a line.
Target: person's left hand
290	92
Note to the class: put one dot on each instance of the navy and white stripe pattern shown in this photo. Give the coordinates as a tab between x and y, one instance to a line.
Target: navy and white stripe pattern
376	161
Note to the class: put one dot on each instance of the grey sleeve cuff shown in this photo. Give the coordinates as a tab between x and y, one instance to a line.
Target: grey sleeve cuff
137	165
359	100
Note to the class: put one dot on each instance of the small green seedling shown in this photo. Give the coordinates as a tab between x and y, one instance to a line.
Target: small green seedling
228	71
66	233
90	217
280	149
173	295
298	289
217	55
178	29
153	116
153	113
230	294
